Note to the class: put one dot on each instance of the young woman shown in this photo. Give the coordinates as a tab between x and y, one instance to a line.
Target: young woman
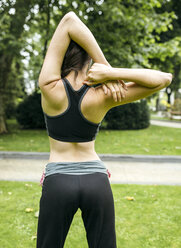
75	177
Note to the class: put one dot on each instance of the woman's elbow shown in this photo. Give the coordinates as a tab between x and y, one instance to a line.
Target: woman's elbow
69	16
167	79
164	80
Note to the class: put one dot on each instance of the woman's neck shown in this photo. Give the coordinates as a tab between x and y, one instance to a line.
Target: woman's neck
77	81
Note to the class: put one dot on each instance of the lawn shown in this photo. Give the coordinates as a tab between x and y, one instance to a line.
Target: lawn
154	140
152	219
155	117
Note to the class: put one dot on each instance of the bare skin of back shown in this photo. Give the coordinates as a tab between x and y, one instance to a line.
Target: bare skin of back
92	110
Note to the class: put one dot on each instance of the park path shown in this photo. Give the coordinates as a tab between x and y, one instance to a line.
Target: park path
123	172
166	123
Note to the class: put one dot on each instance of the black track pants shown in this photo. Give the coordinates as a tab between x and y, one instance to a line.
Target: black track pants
62	195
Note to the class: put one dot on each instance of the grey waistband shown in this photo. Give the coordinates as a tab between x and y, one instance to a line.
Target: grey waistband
75	168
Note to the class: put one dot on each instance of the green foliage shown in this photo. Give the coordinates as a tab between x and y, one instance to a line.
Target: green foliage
29	112
171	38
129	116
127	31
15	87
12	19
130	33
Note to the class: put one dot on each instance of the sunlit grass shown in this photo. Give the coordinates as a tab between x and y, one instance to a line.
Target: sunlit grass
152	219
154	140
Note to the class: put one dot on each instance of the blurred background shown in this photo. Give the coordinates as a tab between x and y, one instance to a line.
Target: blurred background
131	33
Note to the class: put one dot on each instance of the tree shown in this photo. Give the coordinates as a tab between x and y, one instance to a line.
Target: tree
128	32
173	64
12	21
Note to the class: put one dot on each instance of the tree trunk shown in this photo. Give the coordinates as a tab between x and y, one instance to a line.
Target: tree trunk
5	63
158	104
3	128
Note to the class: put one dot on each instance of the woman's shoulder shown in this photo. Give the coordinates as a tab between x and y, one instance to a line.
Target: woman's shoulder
106	101
101	96
54	95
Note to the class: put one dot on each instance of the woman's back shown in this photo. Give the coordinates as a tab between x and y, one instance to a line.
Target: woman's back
72	120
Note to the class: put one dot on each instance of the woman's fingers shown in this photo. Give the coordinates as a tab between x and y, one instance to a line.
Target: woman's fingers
123	84
114	90
89	82
105	89
122	90
117	90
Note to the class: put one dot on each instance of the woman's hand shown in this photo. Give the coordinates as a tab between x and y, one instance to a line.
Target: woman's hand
98	73
117	88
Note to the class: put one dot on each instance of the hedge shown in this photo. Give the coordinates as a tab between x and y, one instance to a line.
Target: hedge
133	115
29	113
129	116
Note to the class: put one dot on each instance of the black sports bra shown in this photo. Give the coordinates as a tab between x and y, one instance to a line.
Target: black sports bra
71	125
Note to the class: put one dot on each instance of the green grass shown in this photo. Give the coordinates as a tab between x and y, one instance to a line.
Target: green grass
161	118
152	220
154	117
154	140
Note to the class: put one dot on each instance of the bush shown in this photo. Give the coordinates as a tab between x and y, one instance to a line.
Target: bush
29	112
129	116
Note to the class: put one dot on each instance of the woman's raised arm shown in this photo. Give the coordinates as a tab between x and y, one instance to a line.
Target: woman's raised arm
149	78
70	27
144	82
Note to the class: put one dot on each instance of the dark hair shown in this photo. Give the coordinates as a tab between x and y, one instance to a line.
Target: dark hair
75	59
